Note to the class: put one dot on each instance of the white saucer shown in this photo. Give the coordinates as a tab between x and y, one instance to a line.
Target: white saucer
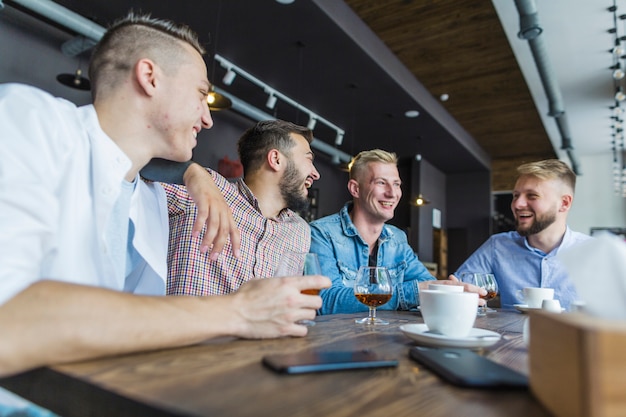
476	339
525	309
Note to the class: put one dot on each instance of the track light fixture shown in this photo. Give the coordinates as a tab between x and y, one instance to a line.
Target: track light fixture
233	70
229	77
339	138
271	101
312	122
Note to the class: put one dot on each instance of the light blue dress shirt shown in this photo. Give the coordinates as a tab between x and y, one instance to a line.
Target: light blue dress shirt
516	265
342	251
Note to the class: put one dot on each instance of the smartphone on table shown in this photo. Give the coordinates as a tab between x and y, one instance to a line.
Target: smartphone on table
466	368
322	361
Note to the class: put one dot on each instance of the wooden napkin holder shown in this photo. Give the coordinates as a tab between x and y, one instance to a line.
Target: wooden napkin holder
578	364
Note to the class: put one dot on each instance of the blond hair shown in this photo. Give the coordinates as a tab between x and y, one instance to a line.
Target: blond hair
359	163
549	169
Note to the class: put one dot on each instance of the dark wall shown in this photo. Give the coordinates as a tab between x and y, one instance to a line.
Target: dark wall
469	214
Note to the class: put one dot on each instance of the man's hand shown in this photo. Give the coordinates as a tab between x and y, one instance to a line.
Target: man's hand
270	307
452	280
212	211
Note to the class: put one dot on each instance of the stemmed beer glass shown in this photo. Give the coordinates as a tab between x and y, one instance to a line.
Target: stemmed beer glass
485	281
299	263
373	288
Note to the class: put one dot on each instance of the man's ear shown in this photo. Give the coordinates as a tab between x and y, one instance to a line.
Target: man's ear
566	202
353	188
146	76
276	160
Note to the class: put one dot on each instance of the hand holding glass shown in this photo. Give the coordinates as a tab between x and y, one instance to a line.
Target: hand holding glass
372	288
300	263
485	281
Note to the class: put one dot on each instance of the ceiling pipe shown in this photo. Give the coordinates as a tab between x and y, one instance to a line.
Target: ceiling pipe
530	30
64	17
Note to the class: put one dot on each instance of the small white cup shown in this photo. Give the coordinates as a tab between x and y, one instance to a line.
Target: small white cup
444	287
551	305
449	313
534	296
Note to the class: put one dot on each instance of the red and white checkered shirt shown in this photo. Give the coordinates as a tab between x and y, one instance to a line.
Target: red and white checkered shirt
263	240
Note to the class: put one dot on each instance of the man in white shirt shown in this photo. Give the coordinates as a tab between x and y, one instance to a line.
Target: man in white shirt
78	227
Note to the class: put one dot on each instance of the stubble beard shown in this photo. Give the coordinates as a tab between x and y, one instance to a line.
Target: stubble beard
538	225
291	188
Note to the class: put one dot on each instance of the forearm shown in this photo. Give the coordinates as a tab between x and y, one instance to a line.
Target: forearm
166	171
53	322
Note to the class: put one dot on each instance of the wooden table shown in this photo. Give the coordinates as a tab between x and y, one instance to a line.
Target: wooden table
226	378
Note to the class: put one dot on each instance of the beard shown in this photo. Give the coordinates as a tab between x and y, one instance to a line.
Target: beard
539	224
291	189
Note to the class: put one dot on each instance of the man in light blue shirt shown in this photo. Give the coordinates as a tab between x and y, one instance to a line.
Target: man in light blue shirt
542	198
359	236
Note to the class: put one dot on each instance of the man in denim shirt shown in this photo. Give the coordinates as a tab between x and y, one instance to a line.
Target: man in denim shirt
358	236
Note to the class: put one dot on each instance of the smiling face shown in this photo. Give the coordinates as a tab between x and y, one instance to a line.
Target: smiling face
376	191
299	174
182	110
536	204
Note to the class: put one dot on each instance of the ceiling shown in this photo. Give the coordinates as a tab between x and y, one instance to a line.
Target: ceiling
364	77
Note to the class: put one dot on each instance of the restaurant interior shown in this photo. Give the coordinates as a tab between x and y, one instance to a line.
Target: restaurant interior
448	86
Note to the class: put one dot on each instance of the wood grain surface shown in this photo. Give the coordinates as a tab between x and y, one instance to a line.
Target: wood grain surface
226	377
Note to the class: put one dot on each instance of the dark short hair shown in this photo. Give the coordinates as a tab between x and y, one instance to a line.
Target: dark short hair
266	135
134	37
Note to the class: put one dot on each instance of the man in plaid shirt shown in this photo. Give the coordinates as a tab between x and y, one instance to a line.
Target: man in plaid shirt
278	170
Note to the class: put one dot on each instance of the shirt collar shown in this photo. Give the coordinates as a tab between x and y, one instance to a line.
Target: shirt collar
350	229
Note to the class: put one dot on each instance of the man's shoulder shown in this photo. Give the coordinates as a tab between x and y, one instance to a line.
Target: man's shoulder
506	236
35	96
327	221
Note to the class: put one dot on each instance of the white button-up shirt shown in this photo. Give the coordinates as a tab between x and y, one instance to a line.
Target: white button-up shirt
60	176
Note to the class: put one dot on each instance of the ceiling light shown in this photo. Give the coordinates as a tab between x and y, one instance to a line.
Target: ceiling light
75	80
444	97
420	200
312	122
339	138
411	113
229	77
218	101
271	101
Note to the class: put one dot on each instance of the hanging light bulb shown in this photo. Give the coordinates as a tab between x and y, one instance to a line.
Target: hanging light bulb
619	95
618	74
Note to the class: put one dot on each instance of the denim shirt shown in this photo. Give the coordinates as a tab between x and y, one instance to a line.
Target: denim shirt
516	265
342	251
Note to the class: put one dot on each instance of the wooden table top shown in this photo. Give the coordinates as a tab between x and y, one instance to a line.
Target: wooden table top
225	377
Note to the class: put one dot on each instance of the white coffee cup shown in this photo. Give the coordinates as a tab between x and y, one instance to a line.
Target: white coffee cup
444	287
449	313
534	296
553	306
